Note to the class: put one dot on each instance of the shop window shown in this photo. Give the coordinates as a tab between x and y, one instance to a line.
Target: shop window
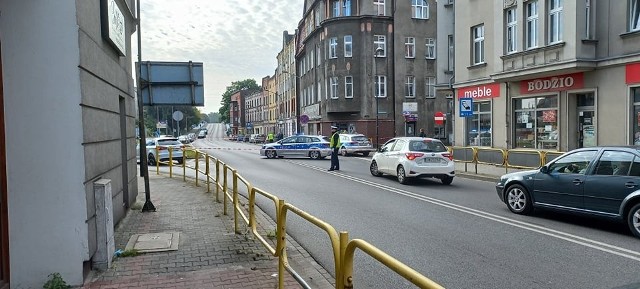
479	125
635	97
536	122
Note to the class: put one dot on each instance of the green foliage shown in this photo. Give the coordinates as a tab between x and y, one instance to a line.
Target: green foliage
226	96
130	253
55	282
191	115
271	235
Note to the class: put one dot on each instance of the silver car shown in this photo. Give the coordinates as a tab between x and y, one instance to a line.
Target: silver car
158	149
414	157
312	146
355	144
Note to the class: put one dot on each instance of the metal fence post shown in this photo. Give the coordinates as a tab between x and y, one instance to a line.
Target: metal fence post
206	162
235	202
197	166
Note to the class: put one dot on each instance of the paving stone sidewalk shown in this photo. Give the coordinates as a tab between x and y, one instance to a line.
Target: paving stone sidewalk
210	254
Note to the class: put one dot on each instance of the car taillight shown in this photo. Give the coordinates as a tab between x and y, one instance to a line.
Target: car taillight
448	155
413	156
161	148
354	143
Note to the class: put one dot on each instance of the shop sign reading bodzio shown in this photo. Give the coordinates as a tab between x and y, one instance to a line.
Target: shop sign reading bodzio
554	83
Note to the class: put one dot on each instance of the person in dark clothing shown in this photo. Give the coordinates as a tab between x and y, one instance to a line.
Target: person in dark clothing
334	144
422	134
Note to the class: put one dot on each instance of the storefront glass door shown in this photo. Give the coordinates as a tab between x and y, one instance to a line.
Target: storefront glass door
587	136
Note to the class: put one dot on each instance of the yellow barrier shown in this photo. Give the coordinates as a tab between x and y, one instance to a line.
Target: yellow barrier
343	250
405	271
524	151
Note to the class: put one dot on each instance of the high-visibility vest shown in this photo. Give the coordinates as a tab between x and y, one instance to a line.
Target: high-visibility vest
334	142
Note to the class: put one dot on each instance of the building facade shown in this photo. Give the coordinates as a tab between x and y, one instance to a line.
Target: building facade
68	122
547	74
287	119
367	66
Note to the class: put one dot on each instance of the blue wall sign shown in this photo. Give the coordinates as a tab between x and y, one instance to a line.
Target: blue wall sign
466	107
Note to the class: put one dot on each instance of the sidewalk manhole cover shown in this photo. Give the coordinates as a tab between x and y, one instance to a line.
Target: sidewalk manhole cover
154	242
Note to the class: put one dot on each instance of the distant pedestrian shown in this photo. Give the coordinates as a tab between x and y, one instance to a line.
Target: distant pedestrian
422	134
334	144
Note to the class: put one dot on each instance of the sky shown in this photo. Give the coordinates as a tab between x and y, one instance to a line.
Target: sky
234	39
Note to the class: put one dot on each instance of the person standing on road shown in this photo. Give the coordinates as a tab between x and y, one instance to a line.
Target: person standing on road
334	144
422	134
270	137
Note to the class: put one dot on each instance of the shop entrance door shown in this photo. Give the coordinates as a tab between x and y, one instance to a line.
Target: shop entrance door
4	208
587	136
410	129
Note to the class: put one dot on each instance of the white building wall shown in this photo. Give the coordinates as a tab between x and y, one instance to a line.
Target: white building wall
40	57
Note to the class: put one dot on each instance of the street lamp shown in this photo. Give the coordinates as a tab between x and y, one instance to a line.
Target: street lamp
375	81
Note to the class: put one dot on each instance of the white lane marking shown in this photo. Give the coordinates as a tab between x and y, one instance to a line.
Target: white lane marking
604	247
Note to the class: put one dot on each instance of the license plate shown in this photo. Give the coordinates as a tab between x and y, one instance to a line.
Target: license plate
432	160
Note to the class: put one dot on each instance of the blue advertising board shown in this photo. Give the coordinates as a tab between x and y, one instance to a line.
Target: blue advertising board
172	83
466	107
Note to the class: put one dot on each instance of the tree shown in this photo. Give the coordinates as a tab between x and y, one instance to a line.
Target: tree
155	114
226	96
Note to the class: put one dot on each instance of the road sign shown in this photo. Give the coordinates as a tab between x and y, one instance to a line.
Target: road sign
177	115
304	119
466	107
439	117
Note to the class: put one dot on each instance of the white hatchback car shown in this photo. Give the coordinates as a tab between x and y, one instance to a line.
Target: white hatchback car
414	157
158	150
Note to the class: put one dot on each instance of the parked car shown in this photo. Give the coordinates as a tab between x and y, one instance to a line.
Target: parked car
202	134
355	144
312	146
184	139
414	157
257	138
597	181
158	149
239	137
246	138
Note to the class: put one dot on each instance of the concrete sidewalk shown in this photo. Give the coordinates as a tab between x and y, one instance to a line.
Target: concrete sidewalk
210	254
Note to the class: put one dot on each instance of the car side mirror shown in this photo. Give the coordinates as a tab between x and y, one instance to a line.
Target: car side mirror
544	169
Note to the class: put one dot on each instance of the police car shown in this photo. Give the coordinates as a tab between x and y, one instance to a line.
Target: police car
311	146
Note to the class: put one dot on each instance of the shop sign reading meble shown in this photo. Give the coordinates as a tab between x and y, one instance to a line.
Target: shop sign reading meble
113	29
554	83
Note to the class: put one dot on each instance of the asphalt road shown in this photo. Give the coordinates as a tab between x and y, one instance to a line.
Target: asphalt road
460	236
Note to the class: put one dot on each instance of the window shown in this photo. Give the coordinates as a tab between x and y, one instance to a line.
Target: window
335	8
333	43
634	15
410	87
319	55
575	163
635	117
334	87
380	43
587	19
614	163
478	129
536	122
381	86
477	33
346	8
511	30
348	86
431	48
420	9
555	21
430	87
379	4
348	46
532	24
451	53
409	47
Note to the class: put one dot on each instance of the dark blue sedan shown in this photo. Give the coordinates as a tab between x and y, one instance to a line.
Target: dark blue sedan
598	181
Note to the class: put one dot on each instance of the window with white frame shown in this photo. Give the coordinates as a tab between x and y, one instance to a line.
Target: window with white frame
477	33
346	8
334	86
381	86
348	46
335	8
431	48
319	55
634	15
531	31
409	47
511	30
380	44
410	87
333	44
348	86
430	87
555	21
420	9
379	4
450	53
317	17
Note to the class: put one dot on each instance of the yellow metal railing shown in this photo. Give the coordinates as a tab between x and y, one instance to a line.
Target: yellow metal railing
343	249
507	158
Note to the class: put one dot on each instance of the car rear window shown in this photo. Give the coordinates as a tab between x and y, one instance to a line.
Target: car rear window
168	142
359	138
427	146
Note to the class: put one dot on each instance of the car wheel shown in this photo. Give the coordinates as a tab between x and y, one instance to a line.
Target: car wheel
373	168
314	155
343	152
180	161
633	219
402	176
151	160
365	154
446	180
518	200
270	154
